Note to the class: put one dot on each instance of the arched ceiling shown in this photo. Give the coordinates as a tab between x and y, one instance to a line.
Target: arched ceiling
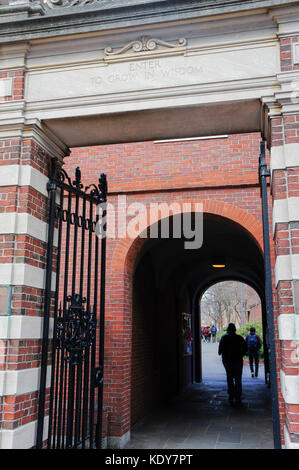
190	268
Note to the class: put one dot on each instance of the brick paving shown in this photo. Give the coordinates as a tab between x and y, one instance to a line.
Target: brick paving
202	418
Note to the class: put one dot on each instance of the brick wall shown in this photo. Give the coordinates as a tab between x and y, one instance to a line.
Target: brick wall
221	170
286	54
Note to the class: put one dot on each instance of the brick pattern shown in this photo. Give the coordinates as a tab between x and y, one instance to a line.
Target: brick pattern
289	357
31	251
291	128
18	79
285	297
285	130
292	413
10	151
285	184
22	354
146	166
6	248
27	301
286	54
19	410
223	174
3	354
286	238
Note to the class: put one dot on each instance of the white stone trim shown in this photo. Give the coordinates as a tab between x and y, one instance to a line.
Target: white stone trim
5	87
23	327
24	175
21	274
22	223
285	211
286	327
284	156
23	437
286	268
288	443
19	382
290	388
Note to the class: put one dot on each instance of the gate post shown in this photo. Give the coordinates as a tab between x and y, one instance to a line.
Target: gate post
264	173
285	194
282	129
46	322
26	153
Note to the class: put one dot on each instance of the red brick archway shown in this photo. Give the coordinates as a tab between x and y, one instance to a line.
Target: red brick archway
118	341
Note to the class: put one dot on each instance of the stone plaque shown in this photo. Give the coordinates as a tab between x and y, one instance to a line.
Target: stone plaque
3	300
151	74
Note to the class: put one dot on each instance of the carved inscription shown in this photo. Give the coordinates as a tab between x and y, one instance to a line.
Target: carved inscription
148	70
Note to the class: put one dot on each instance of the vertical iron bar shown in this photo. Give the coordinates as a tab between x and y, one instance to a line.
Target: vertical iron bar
92	353
63	386
85	395
61	375
87	353
78	403
41	410
74	409
89	254
70	404
92	388
55	353
102	328
64	404
264	173
75	245
82	247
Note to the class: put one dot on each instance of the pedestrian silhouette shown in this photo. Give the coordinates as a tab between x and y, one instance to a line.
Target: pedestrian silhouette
214	332
233	347
254	344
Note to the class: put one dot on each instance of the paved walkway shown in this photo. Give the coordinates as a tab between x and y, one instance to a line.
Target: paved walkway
202	418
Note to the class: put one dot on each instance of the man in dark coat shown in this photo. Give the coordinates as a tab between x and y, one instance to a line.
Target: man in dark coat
233	347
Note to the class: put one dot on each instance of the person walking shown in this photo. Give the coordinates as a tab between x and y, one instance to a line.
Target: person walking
233	347
207	334
214	332
254	344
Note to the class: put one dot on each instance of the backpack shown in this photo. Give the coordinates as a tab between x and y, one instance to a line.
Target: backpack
252	342
213	329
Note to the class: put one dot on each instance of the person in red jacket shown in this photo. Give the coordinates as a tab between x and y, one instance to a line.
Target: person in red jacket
207	334
254	344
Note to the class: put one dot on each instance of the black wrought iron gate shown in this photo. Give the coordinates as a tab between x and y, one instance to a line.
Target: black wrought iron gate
75	305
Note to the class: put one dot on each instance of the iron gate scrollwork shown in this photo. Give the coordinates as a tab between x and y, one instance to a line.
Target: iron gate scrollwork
74	396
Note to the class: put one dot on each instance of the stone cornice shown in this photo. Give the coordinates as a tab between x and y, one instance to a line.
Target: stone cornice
27	19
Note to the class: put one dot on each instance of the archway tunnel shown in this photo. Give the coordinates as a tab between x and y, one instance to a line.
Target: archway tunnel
168	283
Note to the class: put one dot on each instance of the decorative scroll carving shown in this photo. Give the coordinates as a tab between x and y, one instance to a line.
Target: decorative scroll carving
144	43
